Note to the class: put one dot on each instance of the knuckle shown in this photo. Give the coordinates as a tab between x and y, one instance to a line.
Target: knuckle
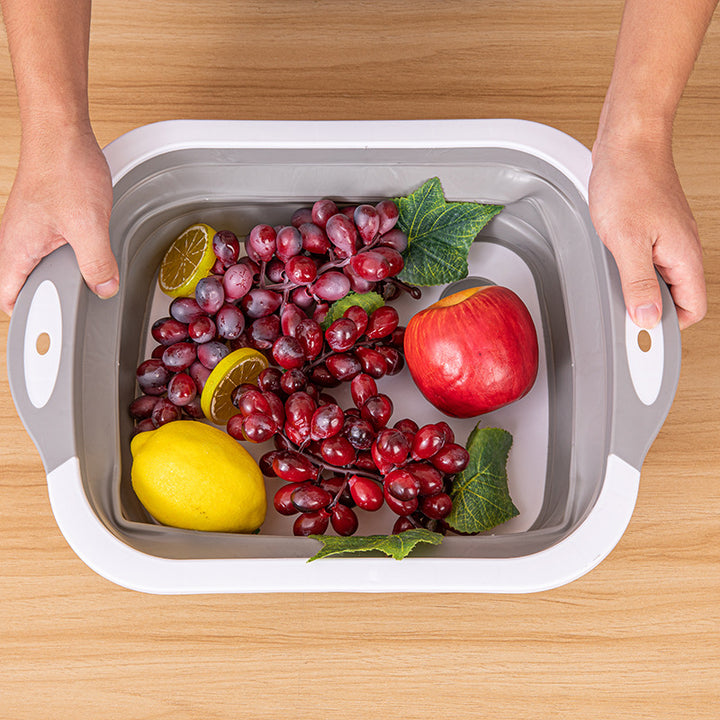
642	285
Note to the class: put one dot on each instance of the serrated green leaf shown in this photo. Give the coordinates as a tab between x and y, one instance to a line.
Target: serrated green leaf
440	234
369	301
480	495
397	546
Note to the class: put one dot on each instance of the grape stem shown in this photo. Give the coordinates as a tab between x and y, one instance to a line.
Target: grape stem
336	499
412	290
337	469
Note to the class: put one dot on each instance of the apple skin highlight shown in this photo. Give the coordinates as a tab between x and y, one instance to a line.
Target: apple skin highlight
474	351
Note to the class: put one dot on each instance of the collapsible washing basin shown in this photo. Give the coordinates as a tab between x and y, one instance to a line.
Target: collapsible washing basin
603	390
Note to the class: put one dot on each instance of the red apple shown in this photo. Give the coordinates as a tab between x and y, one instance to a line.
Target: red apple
474	351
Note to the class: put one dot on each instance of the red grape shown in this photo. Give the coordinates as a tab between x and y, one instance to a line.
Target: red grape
289	242
314	239
152	376
290	317
211	353
282	501
181	389
293	467
309	498
360	433
259	303
226	247
392	445
261	242
427	441
264	331
430	480
179	356
288	353
331	286
326	422
367	222
237	281
395	239
402	485
366	493
322	211
312	523
301	270
202	330
342	334
337	451
373	362
343	519
388	214
362	388
343	234
382	322
343	366
377	410
437	506
142	407
301	216
168	331
451	458
399	507
185	310
370	265
210	294
310	336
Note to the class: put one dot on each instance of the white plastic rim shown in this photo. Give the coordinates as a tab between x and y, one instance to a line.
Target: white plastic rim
568	560
553	146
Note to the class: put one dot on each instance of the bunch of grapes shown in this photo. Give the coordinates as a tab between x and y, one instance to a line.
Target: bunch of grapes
275	299
408	468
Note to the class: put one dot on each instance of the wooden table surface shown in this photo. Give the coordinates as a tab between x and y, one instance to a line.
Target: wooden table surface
637	637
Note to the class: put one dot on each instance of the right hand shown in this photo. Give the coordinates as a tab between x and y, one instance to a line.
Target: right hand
642	215
62	194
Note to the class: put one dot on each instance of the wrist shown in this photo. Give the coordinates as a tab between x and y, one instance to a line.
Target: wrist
624	126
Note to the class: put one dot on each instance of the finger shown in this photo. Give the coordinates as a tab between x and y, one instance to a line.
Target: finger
640	287
95	259
686	281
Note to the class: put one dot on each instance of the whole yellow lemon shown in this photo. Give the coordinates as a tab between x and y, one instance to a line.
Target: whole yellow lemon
191	475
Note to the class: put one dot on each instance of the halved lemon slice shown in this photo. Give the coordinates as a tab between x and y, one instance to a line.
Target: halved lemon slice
188	260
240	366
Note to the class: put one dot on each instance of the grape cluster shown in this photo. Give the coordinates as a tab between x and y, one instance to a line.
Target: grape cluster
406	467
275	299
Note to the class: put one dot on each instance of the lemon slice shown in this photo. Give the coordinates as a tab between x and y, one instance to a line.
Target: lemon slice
188	260
240	366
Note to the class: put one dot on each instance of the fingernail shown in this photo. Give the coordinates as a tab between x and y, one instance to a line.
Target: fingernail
107	289
647	316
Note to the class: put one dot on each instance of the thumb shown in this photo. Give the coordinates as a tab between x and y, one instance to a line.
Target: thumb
639	283
96	260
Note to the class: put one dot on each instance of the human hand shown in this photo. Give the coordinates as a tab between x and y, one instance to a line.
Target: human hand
642	216
62	194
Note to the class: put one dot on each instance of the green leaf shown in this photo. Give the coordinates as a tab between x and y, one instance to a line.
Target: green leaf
397	546
480	495
369	301
440	234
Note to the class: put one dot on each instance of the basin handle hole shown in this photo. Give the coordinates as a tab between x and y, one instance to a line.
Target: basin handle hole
644	341
42	344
